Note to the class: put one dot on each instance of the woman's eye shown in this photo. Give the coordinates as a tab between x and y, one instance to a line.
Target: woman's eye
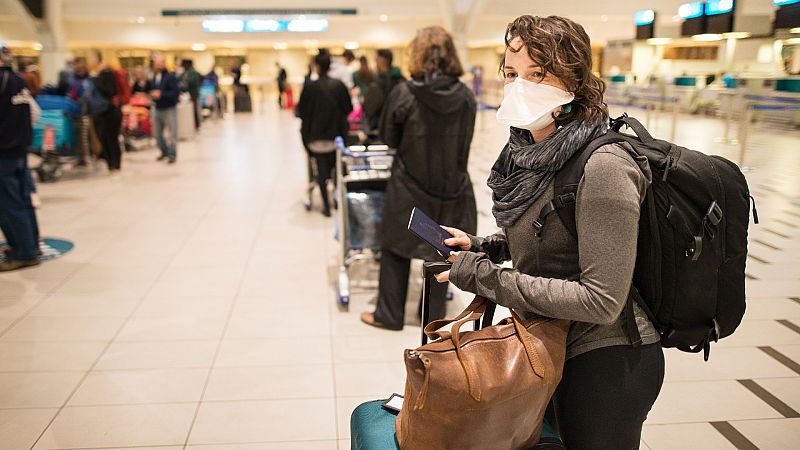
537	75
511	75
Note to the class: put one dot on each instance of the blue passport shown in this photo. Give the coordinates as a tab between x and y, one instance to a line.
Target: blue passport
429	231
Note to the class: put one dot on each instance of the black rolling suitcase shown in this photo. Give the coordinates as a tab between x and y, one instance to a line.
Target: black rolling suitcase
372	426
241	100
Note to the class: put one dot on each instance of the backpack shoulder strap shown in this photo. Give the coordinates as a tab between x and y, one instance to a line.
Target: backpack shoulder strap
566	185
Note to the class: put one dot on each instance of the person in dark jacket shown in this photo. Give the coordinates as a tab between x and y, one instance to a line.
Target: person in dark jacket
323	107
165	92
17	215
378	91
430	121
107	123
281	82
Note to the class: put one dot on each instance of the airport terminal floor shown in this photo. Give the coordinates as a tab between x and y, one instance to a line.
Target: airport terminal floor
198	309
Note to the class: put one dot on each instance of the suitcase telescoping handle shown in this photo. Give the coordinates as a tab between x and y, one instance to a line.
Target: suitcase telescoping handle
429	271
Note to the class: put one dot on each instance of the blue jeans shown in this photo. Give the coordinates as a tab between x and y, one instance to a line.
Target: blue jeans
166	118
17	216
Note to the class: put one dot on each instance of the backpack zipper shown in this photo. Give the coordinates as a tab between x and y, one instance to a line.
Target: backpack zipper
670	164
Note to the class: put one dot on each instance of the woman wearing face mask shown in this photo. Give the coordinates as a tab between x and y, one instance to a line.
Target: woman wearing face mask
554	106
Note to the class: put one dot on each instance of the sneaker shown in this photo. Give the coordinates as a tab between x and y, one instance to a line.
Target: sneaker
326	212
161	158
14	264
171	161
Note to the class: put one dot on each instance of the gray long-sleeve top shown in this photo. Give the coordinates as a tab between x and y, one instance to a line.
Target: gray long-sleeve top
587	281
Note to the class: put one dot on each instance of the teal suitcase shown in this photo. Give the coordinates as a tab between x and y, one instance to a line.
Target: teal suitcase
372	428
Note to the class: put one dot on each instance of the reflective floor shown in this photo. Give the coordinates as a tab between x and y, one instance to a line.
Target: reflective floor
198	310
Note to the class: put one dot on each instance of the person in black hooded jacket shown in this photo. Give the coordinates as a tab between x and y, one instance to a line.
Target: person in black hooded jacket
430	120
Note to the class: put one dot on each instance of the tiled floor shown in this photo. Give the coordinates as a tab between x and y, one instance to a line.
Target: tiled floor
197	309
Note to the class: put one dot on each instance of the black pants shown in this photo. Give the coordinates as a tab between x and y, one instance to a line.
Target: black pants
107	126
325	162
605	395
393	288
196	104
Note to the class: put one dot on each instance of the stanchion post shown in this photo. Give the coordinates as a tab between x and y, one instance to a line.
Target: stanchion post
725	136
743	130
675	106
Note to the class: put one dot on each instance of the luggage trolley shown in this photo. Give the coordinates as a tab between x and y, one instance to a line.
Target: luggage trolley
55	136
362	172
137	125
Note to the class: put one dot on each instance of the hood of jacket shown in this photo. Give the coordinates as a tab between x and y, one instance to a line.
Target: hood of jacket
442	94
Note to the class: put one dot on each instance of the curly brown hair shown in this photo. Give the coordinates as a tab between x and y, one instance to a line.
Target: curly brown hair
432	51
561	47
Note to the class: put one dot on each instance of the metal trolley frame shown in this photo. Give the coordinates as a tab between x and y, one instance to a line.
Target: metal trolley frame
356	165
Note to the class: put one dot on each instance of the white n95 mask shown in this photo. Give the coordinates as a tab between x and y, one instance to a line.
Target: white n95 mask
530	105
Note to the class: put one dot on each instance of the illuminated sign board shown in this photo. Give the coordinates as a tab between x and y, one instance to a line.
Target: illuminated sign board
230	25
223	25
644	17
261	12
784	2
714	7
690	10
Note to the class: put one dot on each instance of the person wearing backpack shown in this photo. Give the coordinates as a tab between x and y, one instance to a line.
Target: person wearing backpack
107	116
554	106
323	107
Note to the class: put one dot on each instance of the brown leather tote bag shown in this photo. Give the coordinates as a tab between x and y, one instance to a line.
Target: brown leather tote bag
485	389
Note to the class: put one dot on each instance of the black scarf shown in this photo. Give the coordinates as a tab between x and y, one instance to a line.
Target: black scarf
524	168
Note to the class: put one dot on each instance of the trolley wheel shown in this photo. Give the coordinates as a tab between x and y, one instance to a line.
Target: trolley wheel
307	206
344	303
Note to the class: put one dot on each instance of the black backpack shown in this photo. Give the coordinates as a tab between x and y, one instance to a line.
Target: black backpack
692	246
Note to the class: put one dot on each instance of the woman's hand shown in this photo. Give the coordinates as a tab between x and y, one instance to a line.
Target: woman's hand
459	239
444	277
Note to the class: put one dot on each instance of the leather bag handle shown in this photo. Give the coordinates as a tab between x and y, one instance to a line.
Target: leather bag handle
478	306
527	343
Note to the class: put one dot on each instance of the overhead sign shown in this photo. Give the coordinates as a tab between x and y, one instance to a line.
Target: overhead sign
644	17
223	25
231	25
784	2
714	7
690	10
261	12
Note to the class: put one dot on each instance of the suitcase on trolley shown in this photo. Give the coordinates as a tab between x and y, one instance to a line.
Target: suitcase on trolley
372	427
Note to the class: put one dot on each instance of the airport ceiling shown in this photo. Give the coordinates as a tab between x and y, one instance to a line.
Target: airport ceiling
378	21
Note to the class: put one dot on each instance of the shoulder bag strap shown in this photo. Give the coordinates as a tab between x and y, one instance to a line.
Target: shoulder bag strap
566	185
